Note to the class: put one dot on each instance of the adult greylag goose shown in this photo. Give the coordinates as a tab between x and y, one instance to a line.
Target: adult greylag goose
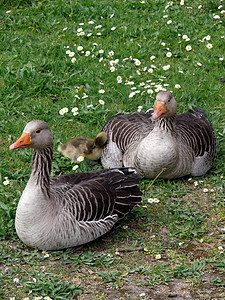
161	143
72	209
81	146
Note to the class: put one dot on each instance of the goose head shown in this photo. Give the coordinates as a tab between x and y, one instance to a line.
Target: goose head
36	134
165	105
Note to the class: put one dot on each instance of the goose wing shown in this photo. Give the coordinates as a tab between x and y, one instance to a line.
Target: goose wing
126	129
194	129
98	194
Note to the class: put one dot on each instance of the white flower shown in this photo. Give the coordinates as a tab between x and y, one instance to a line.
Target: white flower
79	48
188	47
79	29
119	79
139	108
125	226
199	64
98	26
101	51
112	69
68	52
16	280
149	91
221	58
64	29
152	57
207	38
168	54
165	16
98	33
169	22
137	62
89	106
177	86
113	28
73	60
101	102
166	67
6	181
101	91
196	183
63	111
80	158
150	200
158	256
156	200
209	46
75	109
91	22
8	12
220	248
87	53
184	36
163	44
205	190
131	95
75	167
182	2
142	294
216	17
89	34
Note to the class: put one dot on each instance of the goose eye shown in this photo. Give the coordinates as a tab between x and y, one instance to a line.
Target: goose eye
169	100
93	147
38	131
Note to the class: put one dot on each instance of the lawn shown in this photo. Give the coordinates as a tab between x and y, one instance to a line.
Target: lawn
74	64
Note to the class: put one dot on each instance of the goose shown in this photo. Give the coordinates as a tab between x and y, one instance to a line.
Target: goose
72	209
81	146
160	143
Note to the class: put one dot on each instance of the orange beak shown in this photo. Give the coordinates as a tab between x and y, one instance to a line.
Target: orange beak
23	142
159	110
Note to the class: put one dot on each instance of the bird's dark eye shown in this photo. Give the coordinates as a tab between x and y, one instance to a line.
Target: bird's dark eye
169	100
93	147
38	131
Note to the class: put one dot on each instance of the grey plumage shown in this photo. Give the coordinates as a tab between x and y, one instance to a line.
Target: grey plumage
190	137
72	209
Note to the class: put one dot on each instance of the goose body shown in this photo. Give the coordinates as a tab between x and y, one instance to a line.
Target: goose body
72	209
81	146
161	143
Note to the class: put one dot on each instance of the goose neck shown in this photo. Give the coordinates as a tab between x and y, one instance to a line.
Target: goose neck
41	167
166	124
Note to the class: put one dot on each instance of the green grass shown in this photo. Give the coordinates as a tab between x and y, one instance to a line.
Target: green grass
38	79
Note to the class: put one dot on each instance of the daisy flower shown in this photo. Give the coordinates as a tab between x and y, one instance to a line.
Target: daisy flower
163	44
209	46
158	256
152	57
169	22
125	226
137	62
142	294
101	91
101	102
73	60
112	69
101	51
98	26
6	181
111	53
139	108
87	53
90	22
75	167
182	2
113	28
80	48
184	36
220	248
177	86
131	95
80	158
166	67
68	52
89	106
119	79
205	190
188	48
75	109
150	91
199	64
168	54
63	111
